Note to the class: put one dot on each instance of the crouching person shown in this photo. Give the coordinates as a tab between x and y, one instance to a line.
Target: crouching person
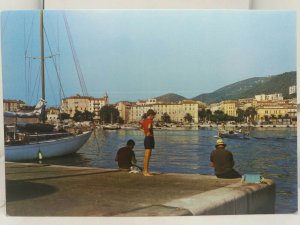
222	161
125	156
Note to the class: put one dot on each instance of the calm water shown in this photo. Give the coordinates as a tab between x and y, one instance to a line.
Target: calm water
270	152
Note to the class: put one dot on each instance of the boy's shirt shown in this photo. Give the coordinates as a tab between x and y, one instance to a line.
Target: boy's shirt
147	126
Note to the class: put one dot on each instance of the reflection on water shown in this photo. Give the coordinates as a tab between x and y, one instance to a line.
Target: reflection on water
272	153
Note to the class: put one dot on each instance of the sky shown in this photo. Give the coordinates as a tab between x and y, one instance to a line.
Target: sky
140	54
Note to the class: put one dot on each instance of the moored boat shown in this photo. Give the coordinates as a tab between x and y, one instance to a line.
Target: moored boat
47	148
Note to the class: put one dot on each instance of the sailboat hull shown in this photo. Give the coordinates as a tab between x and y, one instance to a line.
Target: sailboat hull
46	149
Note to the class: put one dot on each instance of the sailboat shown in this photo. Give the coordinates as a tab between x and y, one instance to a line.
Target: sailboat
23	146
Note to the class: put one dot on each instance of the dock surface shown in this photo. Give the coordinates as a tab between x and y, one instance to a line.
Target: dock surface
49	190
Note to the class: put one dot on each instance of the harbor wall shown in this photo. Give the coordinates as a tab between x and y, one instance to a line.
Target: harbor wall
235	199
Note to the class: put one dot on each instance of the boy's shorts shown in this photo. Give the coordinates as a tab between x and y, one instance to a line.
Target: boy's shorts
149	142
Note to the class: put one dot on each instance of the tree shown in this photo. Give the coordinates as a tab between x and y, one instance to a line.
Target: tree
77	116
63	116
208	114
273	118
250	113
202	114
188	117
87	116
240	115
166	118
109	114
267	119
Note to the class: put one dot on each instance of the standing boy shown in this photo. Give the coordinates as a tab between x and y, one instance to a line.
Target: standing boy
149	143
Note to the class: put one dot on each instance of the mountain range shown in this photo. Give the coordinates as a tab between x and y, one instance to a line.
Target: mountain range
243	89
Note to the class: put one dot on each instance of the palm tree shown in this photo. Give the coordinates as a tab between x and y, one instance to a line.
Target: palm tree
188	117
250	113
240	115
273	117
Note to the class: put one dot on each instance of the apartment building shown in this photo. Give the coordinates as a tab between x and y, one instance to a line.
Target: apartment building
176	111
82	103
229	107
12	105
276	109
52	115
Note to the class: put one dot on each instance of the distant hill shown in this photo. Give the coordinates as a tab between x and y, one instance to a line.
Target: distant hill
250	87
243	89
170	97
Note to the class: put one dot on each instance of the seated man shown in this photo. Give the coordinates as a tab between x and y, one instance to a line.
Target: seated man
125	156
222	160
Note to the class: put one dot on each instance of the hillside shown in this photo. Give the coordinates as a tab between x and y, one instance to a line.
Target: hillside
250	87
170	97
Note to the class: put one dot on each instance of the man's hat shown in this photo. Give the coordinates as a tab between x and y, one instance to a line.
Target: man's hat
220	142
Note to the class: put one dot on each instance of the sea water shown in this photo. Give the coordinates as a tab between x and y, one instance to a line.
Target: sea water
270	152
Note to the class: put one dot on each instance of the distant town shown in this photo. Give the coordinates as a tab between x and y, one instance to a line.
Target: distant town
261	109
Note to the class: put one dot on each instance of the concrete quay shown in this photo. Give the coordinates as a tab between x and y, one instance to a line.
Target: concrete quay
49	190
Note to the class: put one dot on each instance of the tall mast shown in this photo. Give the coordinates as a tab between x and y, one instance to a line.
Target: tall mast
43	113
42	49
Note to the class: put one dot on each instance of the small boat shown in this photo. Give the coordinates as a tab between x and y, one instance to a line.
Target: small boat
129	127
111	127
232	134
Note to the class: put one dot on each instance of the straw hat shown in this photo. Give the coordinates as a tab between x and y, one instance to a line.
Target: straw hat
220	142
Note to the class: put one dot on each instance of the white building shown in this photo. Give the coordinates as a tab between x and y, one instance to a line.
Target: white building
264	97
292	89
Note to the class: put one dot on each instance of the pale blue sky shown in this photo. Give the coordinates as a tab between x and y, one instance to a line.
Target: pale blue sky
142	54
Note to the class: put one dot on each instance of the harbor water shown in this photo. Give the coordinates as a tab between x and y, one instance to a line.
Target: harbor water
271	152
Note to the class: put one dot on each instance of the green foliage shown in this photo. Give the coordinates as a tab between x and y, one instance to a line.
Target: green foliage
166	118
188	117
204	115
109	114
63	116
250	87
83	116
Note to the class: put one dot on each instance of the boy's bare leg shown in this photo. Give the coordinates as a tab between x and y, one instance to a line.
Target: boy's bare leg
146	162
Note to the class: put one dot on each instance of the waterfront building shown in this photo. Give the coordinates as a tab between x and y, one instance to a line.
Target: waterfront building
12	105
275	110
124	108
176	111
245	103
214	107
229	107
52	115
83	103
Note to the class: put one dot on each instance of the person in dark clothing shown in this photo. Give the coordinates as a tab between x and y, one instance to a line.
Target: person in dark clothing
125	156
222	161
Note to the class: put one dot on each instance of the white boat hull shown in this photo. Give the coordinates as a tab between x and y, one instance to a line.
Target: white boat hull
46	149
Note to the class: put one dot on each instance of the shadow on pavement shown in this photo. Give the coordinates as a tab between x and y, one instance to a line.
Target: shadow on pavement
20	190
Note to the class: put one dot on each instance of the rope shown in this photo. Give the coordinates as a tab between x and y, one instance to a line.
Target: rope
75	58
55	65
